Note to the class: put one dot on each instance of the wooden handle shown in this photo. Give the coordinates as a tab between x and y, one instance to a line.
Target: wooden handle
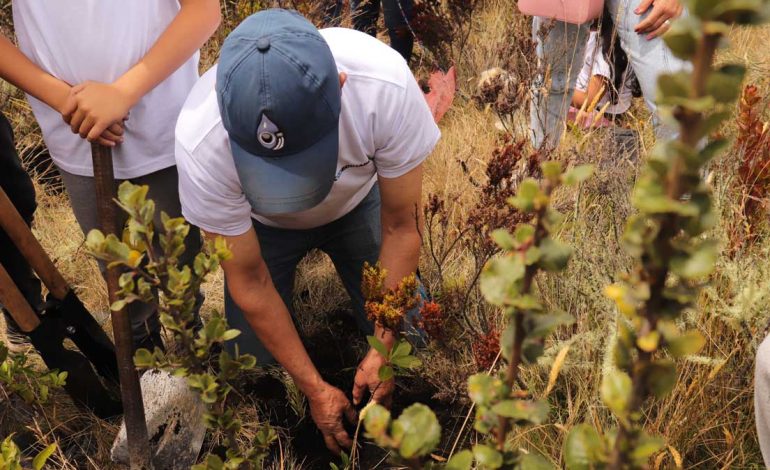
130	390
13	301
18	231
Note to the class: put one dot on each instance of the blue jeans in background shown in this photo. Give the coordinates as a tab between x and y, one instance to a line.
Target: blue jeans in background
365	14
561	52
349	241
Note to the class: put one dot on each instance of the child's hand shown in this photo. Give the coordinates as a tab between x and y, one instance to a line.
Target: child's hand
96	112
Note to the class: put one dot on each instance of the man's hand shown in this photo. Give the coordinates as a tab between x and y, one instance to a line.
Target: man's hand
96	112
328	407
659	19
368	380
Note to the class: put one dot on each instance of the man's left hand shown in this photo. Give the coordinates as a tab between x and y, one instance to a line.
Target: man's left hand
368	379
659	19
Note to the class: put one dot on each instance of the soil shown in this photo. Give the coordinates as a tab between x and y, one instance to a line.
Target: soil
336	351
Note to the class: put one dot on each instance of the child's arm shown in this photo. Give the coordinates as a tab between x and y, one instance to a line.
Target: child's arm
93	106
17	69
597	88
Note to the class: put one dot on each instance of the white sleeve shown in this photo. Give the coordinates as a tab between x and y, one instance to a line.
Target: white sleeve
600	65
408	132
210	193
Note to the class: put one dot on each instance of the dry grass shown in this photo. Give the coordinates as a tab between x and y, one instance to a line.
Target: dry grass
708	419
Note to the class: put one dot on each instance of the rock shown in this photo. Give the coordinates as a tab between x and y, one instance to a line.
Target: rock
174	417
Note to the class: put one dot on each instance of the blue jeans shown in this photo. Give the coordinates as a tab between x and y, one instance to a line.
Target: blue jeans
349	241
562	52
365	14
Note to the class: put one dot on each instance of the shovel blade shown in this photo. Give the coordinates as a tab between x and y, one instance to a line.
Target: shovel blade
82	383
174	417
88	336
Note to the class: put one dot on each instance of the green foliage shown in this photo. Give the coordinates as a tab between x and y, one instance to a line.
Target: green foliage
159	279
414	434
506	282
398	359
667	238
11	456
29	384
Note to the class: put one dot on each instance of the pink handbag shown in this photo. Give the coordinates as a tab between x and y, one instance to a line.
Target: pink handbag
569	11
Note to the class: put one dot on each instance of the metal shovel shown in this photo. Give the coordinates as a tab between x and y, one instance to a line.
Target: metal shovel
63	317
174	414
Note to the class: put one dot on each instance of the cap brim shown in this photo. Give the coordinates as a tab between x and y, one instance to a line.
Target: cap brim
291	183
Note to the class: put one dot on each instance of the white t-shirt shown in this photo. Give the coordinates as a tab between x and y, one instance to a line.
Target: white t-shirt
99	40
385	129
594	63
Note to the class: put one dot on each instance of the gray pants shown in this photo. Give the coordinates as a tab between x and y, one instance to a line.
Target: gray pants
762	398
349	241
562	51
164	191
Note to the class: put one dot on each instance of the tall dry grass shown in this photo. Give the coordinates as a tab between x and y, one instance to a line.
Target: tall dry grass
708	419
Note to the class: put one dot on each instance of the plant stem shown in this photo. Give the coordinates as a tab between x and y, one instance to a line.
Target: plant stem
655	272
519	335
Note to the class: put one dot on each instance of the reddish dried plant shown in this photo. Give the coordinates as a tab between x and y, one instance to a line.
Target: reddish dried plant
485	348
432	320
387	307
753	145
508	166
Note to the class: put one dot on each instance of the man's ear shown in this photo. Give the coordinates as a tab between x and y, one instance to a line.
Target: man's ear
343	79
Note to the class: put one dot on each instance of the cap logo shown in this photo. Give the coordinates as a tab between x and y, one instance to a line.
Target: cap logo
269	135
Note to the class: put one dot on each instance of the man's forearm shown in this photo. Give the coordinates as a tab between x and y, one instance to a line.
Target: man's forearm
272	323
17	69
194	24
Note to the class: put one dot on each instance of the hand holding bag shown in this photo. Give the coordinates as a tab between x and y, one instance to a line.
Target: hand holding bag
569	11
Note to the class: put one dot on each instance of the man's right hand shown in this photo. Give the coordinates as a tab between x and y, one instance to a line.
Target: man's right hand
328	407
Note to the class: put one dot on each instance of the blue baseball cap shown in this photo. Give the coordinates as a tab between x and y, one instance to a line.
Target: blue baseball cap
279	96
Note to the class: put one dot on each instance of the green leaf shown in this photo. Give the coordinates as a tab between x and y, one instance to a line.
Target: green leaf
41	458
503	239
534	411
406	362
534	462
683	37
645	448
501	279
584	448
724	84
483	389
418	431
660	377
554	255
525	198
616	391
542	325
402	349
551	169
377	345
385	373
649	342
697	264
376	420
460	461
577	175
230	334
143	359
687	344
523	234
487	457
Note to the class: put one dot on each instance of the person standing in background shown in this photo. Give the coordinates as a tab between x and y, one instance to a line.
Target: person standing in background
560	47
115	72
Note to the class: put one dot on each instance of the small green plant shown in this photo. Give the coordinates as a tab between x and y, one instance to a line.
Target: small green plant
11	457
158	279
667	239
23	380
388	308
507	282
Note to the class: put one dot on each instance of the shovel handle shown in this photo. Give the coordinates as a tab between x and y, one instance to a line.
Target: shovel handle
130	390
18	231
13	300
